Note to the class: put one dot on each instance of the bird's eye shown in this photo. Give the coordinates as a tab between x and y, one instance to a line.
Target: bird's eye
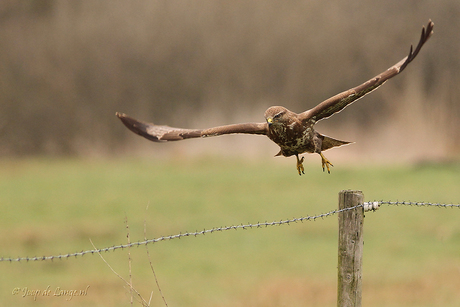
277	116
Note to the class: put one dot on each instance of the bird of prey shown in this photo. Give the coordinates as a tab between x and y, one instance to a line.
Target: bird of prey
293	132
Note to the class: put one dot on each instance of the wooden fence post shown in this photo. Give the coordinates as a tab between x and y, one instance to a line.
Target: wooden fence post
350	249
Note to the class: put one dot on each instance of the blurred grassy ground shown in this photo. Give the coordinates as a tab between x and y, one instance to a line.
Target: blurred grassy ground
53	206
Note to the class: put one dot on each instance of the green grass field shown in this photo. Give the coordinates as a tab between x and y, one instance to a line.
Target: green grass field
52	207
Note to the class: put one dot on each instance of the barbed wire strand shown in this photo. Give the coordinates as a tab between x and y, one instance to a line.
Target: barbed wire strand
368	206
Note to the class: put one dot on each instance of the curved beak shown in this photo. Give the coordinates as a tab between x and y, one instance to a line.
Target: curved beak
270	121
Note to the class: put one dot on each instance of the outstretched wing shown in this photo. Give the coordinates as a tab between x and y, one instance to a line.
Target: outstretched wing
165	133
338	102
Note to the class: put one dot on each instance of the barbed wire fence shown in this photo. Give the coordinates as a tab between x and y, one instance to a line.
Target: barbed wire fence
367	206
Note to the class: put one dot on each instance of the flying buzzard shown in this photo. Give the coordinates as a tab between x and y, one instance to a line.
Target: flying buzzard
293	132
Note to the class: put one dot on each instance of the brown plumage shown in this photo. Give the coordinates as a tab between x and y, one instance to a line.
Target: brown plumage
293	132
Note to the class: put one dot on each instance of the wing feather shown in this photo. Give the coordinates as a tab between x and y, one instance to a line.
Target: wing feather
158	133
338	102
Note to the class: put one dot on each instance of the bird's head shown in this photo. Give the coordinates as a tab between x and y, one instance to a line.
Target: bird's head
276	115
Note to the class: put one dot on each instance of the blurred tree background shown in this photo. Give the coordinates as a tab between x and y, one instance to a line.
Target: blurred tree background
67	66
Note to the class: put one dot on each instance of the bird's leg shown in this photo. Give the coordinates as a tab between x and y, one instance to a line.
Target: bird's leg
325	162
300	168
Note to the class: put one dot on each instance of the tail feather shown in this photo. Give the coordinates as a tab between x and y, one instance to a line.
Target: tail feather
330	142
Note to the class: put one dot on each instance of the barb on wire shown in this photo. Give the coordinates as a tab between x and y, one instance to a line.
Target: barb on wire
367	206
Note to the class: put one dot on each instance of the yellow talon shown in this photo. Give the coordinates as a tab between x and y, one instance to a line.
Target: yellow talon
300	168
325	162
